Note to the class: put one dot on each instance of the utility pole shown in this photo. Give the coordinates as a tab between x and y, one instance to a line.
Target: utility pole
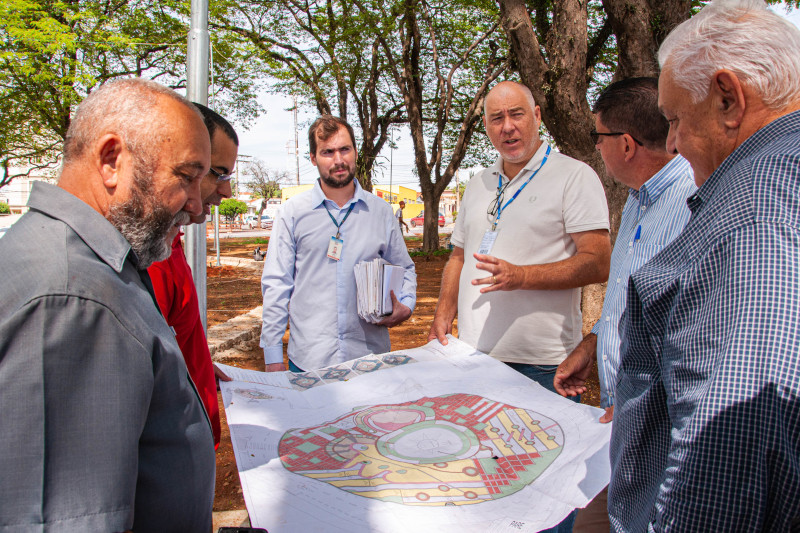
391	157
296	143
197	91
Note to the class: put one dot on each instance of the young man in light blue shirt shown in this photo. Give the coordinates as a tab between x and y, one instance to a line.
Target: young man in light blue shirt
308	273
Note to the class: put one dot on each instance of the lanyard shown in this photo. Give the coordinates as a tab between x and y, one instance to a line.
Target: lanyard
500	189
339	224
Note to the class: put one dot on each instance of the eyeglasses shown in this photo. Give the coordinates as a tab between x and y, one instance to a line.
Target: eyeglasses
498	200
219	175
595	135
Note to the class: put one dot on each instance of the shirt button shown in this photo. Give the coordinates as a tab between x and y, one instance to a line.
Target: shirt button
644	207
605	357
608	318
619	280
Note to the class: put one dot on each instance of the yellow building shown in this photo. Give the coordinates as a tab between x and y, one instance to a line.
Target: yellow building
397	194
288	192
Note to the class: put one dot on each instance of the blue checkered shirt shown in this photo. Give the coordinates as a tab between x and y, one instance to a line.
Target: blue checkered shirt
707	422
658	209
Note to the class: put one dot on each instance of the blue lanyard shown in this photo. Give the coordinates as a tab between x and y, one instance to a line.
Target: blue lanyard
500	183
339	224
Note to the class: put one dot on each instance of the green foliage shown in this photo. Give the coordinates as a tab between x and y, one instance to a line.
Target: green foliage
435	253
52	54
230	207
4	209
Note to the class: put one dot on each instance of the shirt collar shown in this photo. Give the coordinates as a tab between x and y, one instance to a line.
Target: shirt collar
318	197
532	164
649	192
97	232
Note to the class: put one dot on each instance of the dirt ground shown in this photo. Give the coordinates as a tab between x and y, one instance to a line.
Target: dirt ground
233	291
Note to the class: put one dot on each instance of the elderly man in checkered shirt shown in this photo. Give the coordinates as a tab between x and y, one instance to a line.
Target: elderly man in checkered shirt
707	420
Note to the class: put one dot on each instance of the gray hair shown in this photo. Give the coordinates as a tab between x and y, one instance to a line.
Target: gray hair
120	107
744	36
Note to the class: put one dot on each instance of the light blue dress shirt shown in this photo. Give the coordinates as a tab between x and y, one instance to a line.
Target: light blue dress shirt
658	212
318	294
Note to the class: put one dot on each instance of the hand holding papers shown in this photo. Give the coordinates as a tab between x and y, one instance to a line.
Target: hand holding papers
374	281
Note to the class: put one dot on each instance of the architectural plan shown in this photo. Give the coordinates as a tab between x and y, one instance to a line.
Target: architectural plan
437	438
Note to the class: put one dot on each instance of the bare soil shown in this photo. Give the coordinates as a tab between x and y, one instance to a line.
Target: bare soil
233	291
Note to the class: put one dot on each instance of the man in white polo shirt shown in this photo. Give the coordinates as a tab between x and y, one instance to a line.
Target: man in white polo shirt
532	230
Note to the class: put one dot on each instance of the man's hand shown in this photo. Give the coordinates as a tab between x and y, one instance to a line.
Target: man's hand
275	367
400	313
608	416
571	374
439	329
220	375
503	275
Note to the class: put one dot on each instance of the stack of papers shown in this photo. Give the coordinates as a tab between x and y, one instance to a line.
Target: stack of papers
374	281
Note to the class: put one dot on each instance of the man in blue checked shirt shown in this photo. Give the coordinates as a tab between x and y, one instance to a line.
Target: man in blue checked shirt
631	135
707	425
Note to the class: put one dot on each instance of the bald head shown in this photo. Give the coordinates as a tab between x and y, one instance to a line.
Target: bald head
509	87
136	152
512	121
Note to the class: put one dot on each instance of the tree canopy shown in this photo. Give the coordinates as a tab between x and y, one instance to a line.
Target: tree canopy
54	53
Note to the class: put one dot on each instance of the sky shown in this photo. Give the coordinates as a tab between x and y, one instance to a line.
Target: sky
271	139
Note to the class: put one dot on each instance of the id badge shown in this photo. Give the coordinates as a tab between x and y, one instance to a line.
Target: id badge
487	242
335	248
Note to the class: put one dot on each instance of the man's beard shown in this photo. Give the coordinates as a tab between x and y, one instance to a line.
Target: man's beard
145	223
337	184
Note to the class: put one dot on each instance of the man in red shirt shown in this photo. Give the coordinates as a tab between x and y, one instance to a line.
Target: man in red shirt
172	278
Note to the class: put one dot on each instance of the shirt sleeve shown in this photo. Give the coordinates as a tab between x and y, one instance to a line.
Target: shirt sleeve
732	380
397	254
585	205
78	386
277	285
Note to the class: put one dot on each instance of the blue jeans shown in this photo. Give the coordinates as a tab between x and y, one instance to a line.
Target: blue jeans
541	374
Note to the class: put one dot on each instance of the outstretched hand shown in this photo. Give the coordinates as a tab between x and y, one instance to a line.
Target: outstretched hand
572	373
503	275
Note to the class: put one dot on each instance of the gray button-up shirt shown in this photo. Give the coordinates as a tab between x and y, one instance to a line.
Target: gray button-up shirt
101	427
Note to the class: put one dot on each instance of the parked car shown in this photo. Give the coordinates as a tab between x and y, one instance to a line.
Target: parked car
250	222
420	219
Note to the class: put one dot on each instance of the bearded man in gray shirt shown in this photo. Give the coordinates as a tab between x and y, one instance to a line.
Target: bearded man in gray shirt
102	428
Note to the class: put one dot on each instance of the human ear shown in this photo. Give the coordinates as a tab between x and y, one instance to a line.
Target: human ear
729	99
109	150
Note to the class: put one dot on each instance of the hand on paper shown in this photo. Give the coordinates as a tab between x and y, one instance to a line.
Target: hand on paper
400	313
503	276
439	329
220	375
275	367
572	373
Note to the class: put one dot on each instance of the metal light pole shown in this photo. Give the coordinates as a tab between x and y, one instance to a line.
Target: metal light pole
197	91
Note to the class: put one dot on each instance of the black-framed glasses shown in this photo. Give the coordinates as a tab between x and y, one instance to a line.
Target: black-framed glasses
219	175
595	135
498	200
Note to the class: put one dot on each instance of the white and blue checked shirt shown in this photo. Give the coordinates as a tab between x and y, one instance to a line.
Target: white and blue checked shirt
657	212
707	422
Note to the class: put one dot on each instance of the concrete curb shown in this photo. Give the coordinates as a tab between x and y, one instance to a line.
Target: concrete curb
241	332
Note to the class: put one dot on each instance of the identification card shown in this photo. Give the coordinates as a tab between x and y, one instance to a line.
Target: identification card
487	242
335	248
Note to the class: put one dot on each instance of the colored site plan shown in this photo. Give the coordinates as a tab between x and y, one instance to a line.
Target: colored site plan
455	441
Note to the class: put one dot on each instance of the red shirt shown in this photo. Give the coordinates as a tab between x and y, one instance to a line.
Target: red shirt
177	298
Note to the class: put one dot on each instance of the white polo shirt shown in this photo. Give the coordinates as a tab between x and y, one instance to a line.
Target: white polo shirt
524	326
